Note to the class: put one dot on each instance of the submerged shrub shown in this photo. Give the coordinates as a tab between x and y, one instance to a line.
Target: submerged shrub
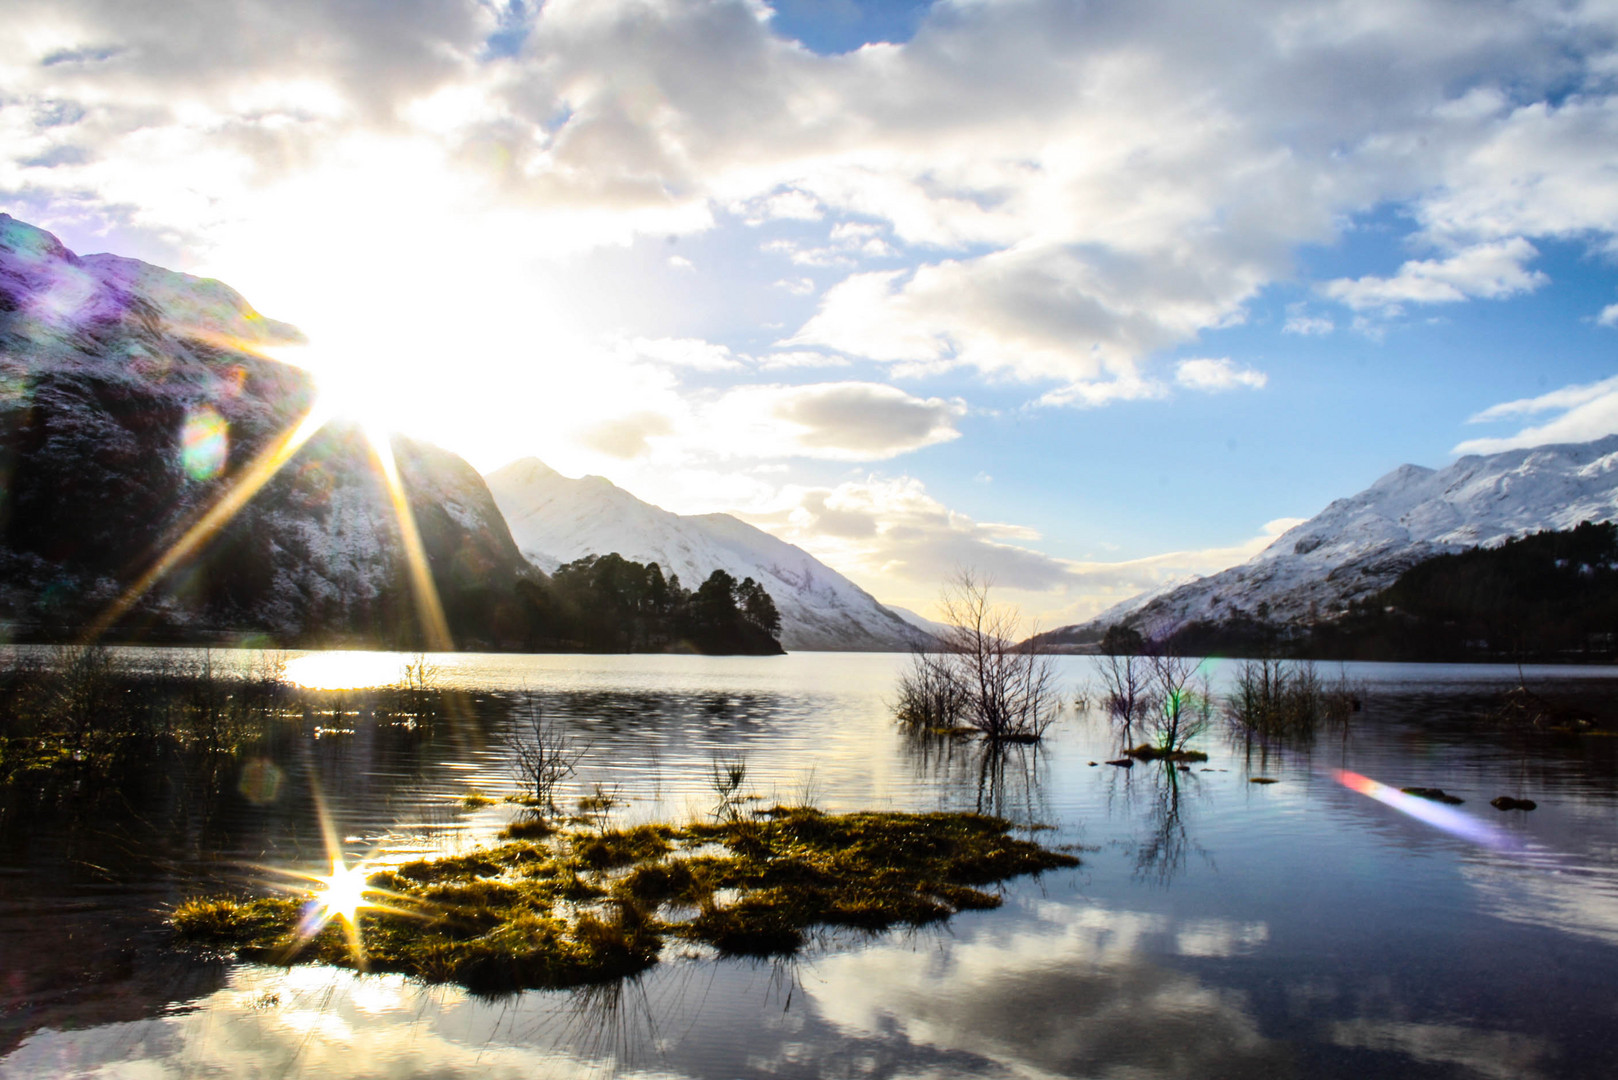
1288	699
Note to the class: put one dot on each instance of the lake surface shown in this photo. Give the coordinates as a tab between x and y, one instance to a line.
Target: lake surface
1217	927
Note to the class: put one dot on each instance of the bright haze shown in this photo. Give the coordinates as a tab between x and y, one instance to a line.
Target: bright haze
1084	296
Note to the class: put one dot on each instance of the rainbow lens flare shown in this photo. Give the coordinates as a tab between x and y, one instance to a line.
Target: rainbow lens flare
1447	818
204	443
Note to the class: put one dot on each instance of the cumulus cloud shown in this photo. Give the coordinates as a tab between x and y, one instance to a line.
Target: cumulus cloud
851	421
898	541
1306	325
1492	270
625	437
1216	375
1076	187
1608	316
1584	412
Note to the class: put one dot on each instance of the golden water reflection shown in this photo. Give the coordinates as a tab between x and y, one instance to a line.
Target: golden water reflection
348	670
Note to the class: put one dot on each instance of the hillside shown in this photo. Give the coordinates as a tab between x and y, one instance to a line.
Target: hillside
132	399
556	520
1360	545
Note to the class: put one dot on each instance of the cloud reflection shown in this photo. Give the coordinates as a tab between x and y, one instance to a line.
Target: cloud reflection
1077	994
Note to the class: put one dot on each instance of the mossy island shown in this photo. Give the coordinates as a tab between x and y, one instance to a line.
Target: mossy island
550	908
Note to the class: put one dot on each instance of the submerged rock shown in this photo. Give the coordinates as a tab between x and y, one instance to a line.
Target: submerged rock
1506	802
1434	794
1145	752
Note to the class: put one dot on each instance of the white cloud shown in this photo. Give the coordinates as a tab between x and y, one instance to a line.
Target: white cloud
1073	188
694	353
1492	271
1308	325
782	206
899	542
1588	411
798	358
680	262
1213	376
848	421
1608	316
797	286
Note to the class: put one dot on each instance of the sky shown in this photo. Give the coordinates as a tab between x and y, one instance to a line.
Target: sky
1083	296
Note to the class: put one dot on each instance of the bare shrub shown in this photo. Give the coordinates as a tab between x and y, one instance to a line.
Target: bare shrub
1009	687
1180	706
1286	699
542	753
1126	690
931	695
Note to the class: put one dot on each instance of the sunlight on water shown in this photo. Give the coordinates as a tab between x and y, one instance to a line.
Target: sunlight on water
346	670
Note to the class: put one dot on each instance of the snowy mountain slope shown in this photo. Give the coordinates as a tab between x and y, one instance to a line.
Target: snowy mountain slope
130	398
919	621
1360	545
556	519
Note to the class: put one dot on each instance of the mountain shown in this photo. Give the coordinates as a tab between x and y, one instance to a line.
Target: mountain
919	621
1360	545
132	399
556	520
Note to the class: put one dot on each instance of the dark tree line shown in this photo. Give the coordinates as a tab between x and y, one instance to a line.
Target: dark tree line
607	603
1548	596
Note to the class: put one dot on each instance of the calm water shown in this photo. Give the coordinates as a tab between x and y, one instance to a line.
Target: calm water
1217	928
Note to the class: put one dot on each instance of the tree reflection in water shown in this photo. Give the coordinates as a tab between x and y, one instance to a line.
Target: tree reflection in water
1160	853
1006	780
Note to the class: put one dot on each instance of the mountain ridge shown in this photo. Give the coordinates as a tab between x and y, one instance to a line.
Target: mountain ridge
132	398
1360	544
556	519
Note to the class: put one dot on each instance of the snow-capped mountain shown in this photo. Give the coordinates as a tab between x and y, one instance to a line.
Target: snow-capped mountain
920	621
1360	545
556	520
132	398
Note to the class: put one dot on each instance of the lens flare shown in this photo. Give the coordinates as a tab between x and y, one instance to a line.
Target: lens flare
1439	816
429	609
204	443
254	477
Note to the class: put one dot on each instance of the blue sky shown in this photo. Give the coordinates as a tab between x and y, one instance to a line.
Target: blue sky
1084	296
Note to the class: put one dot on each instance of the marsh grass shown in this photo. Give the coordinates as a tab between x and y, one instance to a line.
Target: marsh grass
1289	700
73	713
568	908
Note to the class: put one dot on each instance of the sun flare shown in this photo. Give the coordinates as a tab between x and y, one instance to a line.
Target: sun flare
343	892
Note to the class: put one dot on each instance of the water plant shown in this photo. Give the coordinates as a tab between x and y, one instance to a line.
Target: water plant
572	907
1289	700
978	674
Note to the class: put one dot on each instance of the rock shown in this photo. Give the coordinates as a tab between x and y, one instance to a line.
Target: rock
1262	780
1123	763
1506	802
1434	794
